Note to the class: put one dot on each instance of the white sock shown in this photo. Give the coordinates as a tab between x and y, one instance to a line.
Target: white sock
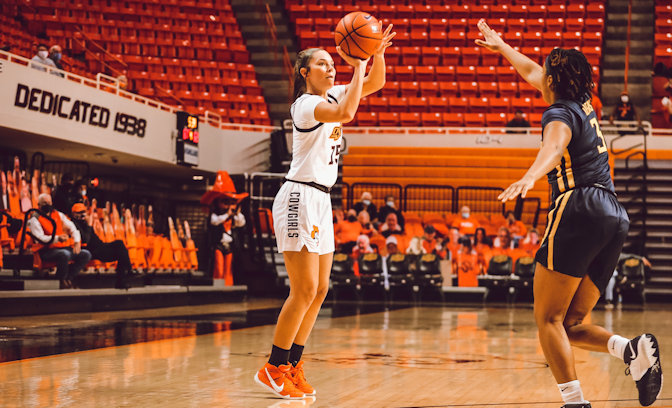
571	392
617	345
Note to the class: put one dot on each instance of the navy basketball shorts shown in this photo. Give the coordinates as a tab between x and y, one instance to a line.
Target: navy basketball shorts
586	229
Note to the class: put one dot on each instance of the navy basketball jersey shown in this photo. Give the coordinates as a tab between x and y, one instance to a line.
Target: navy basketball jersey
586	159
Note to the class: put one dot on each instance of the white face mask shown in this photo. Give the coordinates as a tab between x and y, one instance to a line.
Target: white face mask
625	99
390	203
465	215
43	54
366	202
83	192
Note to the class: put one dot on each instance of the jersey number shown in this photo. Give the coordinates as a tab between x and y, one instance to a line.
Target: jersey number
603	148
335	151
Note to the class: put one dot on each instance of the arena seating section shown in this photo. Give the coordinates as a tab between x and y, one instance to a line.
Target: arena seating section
663	53
436	74
192	50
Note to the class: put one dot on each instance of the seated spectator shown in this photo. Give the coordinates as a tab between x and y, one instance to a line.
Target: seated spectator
518	121
427	244
503	240
465	224
452	243
391	226
515	227
481	239
392	245
347	231
55	54
390	207
625	111
362	246
42	59
467	264
365	204
367	228
531	242
122	82
114	251
66	245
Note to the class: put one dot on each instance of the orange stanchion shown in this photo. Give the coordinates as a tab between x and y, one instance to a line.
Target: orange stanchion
190	247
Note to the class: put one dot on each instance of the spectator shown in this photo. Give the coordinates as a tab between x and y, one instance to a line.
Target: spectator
466	225
55	54
625	111
660	69
503	240
365	204
391	226
42	59
515	227
452	243
427	244
347	231
224	218
392	247
63	196
531	242
365	222
114	251
66	245
481	239
122	82
518	121
390	207
467	264
363	246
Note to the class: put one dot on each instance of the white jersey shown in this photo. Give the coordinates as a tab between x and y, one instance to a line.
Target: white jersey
316	145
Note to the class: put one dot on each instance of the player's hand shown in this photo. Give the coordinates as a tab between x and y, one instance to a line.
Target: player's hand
520	187
492	41
62	238
386	41
77	248
353	61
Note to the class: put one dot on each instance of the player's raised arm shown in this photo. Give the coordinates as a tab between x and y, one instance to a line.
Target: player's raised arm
344	111
528	69
375	80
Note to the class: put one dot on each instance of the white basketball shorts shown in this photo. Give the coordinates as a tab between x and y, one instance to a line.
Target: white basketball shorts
302	217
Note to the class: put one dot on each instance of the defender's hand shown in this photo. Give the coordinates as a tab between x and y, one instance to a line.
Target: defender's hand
520	187
492	41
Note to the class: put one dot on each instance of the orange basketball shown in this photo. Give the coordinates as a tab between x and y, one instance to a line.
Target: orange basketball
358	34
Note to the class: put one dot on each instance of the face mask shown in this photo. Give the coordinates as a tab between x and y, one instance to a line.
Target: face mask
352	218
465	215
46	209
43	54
56	56
366	202
390	203
625	99
83	193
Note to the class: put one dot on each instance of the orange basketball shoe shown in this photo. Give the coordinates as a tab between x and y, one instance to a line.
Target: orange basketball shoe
299	379
278	380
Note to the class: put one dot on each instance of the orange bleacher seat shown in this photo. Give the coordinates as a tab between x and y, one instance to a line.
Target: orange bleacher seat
388	119
514	38
516	25
457	39
368	119
468	89
500	105
453	119
478	105
499	11
392	55
445	73
391	89
488	89
576	11
438	25
471	55
474	119
556	11
523	104
416	104
460	11
466	73
404	73
536	12
495	119
593	55
419	38
431	56
574	24
539	105
430	120
595	10
448	89
458	104
378	104
451	55
410	55
486	74
594	25
409	89
429	89
438	103
535	119
409	119
527	90
508	89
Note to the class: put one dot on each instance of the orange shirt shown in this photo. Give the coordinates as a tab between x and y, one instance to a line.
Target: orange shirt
466	226
517	229
597	106
530	249
468	268
348	231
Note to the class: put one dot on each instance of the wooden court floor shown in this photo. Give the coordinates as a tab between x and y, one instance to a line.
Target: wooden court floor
362	357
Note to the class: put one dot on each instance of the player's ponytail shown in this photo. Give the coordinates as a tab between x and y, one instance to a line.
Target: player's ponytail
302	61
571	72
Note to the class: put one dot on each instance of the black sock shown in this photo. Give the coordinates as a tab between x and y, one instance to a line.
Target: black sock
279	356
295	354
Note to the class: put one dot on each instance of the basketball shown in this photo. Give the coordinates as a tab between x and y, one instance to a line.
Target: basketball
358	34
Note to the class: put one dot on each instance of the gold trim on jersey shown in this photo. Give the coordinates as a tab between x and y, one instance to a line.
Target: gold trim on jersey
550	218
556	223
568	170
